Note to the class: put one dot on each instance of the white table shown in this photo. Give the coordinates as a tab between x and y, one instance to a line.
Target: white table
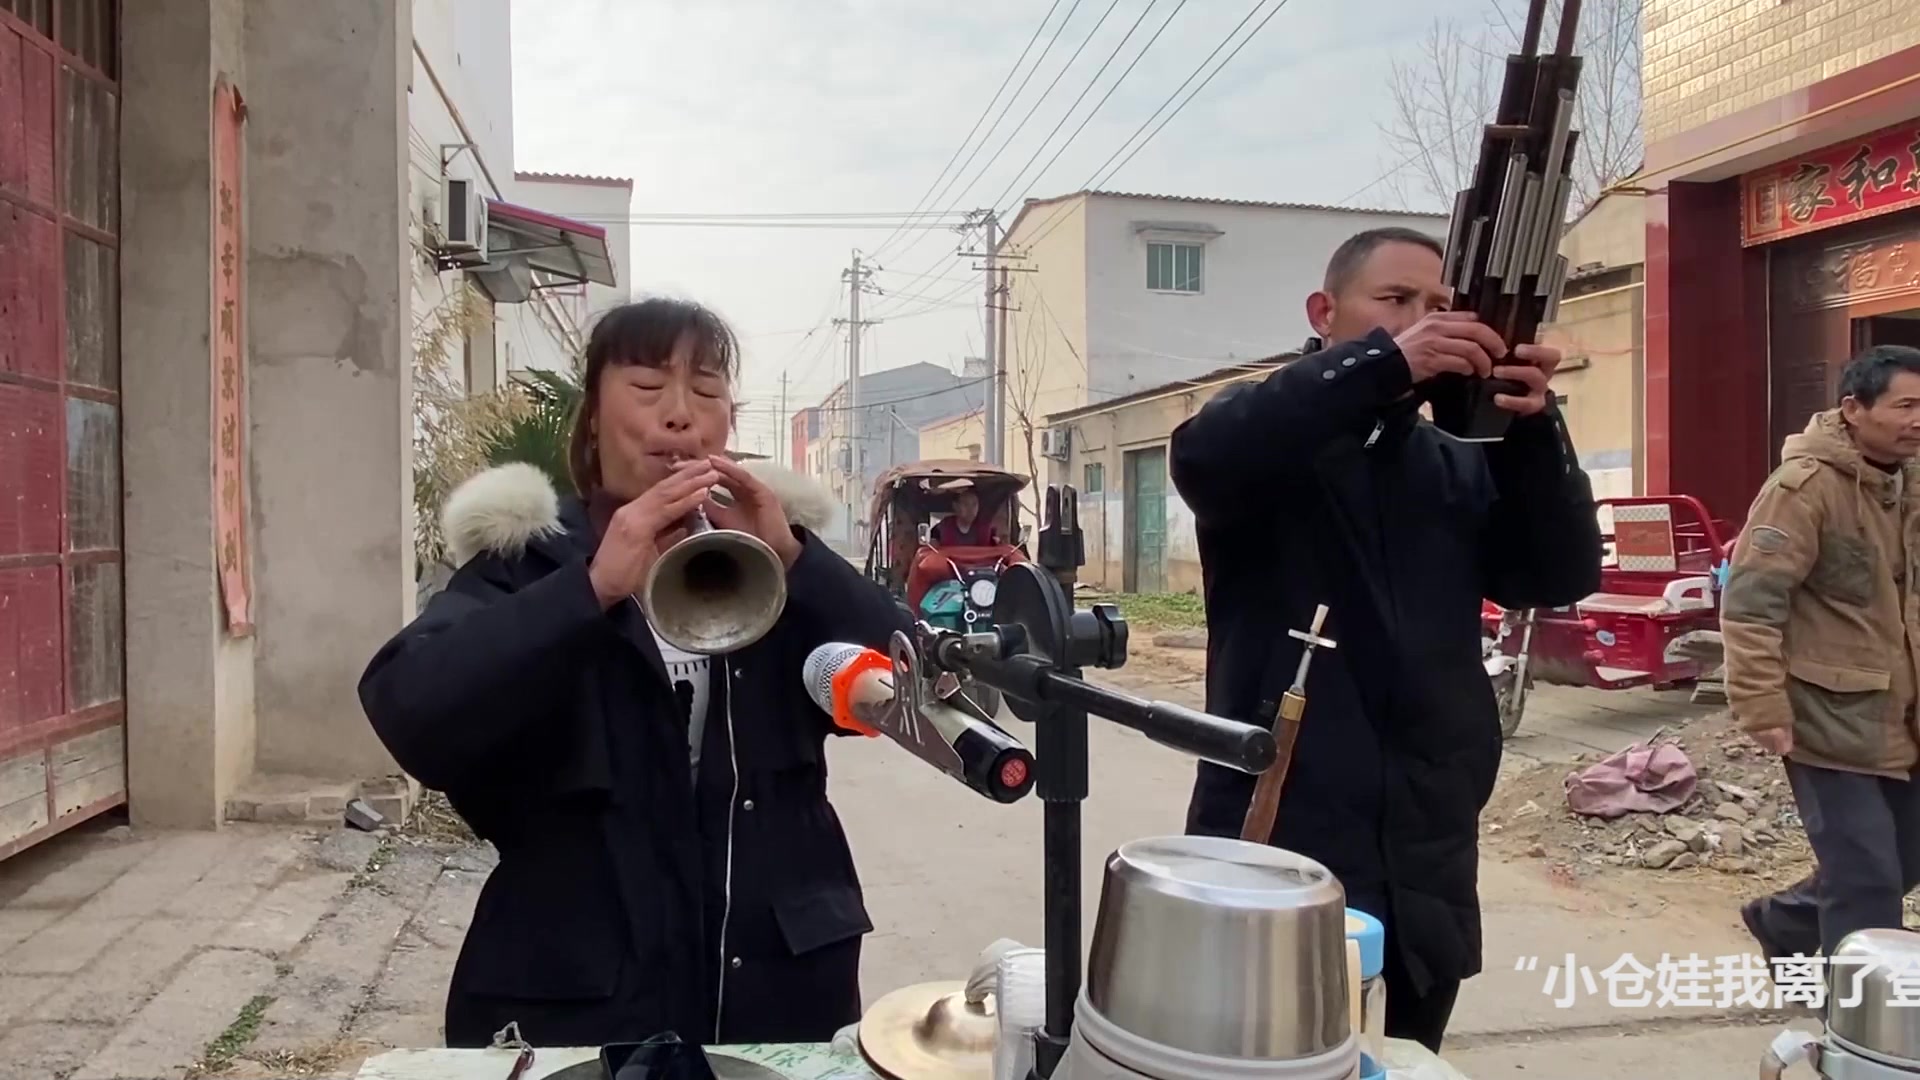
799	1061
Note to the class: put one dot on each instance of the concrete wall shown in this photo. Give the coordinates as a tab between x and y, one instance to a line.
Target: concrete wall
1086	328
1047	328
1256	276
190	701
884	425
1602	382
529	344
1600	330
460	90
958	438
1104	439
332	390
1704	59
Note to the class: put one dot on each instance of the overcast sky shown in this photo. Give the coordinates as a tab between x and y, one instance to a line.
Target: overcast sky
834	106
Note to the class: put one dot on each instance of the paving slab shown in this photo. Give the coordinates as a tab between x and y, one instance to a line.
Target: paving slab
41	1051
281	919
20	993
1707	1052
122	980
1531	921
67	945
64	878
232	884
329	979
173	1030
17	926
178	861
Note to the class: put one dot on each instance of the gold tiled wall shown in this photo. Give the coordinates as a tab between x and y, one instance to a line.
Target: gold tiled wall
1704	59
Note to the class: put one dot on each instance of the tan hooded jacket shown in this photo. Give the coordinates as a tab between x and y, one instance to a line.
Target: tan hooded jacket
1818	616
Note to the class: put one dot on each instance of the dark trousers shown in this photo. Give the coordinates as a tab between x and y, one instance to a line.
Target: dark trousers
1419	1017
1865	833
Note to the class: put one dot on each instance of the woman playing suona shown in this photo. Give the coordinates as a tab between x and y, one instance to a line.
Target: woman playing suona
668	858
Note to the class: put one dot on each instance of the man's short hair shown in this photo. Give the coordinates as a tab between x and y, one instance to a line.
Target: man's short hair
1349	256
1867	376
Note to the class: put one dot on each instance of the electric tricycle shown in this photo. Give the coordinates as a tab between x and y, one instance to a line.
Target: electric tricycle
1655	621
948	586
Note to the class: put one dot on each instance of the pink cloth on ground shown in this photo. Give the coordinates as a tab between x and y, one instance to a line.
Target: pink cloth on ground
1639	779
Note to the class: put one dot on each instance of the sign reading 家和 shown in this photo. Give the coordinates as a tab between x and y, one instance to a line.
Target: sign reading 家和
1862	178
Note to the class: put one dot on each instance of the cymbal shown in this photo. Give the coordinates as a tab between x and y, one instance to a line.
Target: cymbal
929	1032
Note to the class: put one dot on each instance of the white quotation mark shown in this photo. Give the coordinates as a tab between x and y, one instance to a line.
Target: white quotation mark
1724	982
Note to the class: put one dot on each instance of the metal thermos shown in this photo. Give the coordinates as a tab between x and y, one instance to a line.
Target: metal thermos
1215	957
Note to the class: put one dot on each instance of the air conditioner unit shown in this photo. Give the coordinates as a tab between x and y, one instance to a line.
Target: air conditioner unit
464	232
1056	443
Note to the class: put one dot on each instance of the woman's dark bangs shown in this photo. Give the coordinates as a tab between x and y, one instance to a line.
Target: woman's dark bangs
715	350
633	336
645	335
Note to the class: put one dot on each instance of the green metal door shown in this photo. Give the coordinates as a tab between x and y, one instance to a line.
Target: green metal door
1146	481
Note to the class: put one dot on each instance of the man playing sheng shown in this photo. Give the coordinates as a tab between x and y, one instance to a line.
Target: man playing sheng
1322	484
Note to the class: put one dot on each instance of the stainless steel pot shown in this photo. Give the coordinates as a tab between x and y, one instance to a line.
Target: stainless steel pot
1221	947
1864	1012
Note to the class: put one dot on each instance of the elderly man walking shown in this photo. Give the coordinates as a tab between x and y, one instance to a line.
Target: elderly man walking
1819	619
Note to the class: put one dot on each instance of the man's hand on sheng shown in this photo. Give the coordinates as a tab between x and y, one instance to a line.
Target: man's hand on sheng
1537	364
1450	342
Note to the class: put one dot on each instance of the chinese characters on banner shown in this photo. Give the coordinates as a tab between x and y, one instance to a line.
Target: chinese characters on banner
1726	981
229	363
1859	179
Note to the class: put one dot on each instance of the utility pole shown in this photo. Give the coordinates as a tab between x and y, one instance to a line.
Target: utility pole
998	296
995	331
856	278
1000	372
783	434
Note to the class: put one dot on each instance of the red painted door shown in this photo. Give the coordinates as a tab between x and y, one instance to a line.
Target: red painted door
62	649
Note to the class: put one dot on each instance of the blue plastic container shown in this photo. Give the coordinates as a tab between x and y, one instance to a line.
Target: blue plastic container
1365	934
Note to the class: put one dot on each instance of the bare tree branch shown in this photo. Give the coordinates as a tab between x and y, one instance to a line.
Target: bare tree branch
1446	88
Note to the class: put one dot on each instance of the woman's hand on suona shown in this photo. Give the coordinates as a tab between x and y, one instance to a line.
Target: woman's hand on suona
643	528
756	510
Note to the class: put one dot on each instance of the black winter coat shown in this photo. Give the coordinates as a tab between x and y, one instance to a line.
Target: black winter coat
630	898
1322	485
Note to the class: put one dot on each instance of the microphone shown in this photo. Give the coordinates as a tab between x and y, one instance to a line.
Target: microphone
854	685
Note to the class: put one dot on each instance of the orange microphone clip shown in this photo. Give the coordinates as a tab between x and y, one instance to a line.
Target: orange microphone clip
867	660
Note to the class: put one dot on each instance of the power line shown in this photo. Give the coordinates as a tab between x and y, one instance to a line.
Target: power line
976	123
865	405
1044	94
1093	182
1085	120
1008	107
1404	162
1196	90
1084	91
848	225
754	215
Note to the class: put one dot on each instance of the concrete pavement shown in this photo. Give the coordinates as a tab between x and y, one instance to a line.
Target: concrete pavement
269	953
966	872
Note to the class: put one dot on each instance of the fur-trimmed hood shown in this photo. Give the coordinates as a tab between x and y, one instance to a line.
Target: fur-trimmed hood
502	509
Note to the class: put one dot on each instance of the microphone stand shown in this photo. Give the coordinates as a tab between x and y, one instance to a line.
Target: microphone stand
1035	657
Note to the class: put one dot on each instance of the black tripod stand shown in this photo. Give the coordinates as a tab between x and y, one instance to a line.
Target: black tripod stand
1035	657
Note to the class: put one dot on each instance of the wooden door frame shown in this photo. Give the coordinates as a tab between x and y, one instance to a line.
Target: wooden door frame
69	725
1130	467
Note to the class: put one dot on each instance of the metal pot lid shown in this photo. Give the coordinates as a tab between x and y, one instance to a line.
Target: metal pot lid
1872	980
1224	871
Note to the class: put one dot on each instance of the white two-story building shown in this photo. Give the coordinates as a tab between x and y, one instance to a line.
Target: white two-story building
1113	293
